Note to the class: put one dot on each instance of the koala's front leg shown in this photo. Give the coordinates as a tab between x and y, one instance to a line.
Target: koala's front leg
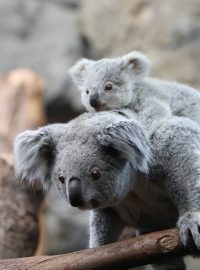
105	227
189	225
186	195
178	150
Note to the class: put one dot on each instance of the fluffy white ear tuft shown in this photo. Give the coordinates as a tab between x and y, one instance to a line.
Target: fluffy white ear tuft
137	63
33	156
77	71
130	140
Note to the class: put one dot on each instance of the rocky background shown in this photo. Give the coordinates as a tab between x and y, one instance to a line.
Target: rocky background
48	36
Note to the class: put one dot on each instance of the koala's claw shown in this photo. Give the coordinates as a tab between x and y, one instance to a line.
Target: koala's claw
189	226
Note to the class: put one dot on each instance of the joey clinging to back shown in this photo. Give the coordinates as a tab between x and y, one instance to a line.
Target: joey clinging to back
108	83
124	82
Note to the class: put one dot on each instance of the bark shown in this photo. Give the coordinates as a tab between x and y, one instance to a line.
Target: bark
20	108
133	252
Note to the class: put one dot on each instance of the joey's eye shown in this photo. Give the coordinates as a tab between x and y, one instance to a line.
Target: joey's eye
61	178
87	91
108	86
96	174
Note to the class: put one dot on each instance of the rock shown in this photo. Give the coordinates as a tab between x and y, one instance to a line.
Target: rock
168	33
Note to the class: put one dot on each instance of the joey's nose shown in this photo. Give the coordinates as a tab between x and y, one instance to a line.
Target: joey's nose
75	192
95	101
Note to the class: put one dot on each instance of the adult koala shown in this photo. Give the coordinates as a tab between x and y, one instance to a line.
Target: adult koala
105	162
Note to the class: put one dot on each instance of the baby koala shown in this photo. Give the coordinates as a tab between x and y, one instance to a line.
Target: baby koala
124	82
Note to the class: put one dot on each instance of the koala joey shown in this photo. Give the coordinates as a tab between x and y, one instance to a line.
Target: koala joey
123	82
106	163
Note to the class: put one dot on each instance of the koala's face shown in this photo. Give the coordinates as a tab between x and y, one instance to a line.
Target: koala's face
105	86
91	173
108	83
92	160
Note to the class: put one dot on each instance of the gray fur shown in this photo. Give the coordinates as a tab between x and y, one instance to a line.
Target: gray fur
125	194
133	88
130	140
31	163
78	71
34	153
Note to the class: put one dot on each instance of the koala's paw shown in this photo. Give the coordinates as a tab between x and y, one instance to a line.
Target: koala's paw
189	226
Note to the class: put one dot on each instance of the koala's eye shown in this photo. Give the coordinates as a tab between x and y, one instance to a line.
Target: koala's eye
61	178
96	174
108	87
87	91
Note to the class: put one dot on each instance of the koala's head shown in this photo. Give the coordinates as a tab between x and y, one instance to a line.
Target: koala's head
108	83
92	160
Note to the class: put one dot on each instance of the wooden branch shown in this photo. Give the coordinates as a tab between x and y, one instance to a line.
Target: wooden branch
20	108
133	252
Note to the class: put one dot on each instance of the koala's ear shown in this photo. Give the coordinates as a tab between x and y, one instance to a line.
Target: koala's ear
77	71
130	140
34	153
136	63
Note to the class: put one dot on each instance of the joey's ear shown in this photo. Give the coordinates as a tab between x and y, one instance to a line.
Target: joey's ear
136	63
77	71
130	140
34	153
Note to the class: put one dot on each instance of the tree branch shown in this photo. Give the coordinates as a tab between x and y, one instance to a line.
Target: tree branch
145	249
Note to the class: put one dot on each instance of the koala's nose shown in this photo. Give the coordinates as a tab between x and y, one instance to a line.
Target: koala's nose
95	101
75	192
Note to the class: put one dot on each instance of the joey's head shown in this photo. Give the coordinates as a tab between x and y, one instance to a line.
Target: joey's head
93	159
108	83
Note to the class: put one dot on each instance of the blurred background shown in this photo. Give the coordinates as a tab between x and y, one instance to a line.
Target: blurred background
48	36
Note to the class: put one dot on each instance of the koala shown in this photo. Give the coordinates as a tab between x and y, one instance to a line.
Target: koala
124	82
105	162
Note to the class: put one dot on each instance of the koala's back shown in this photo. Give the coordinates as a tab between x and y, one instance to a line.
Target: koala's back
183	100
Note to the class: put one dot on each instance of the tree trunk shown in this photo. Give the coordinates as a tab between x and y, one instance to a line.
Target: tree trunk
21	108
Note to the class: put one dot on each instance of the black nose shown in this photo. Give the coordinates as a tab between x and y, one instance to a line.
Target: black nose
75	192
95	101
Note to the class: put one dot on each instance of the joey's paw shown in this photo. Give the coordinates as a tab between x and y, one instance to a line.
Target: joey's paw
189	226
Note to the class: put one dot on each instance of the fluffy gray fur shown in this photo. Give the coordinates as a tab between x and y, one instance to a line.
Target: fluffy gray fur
132	87
34	154
44	153
149	185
